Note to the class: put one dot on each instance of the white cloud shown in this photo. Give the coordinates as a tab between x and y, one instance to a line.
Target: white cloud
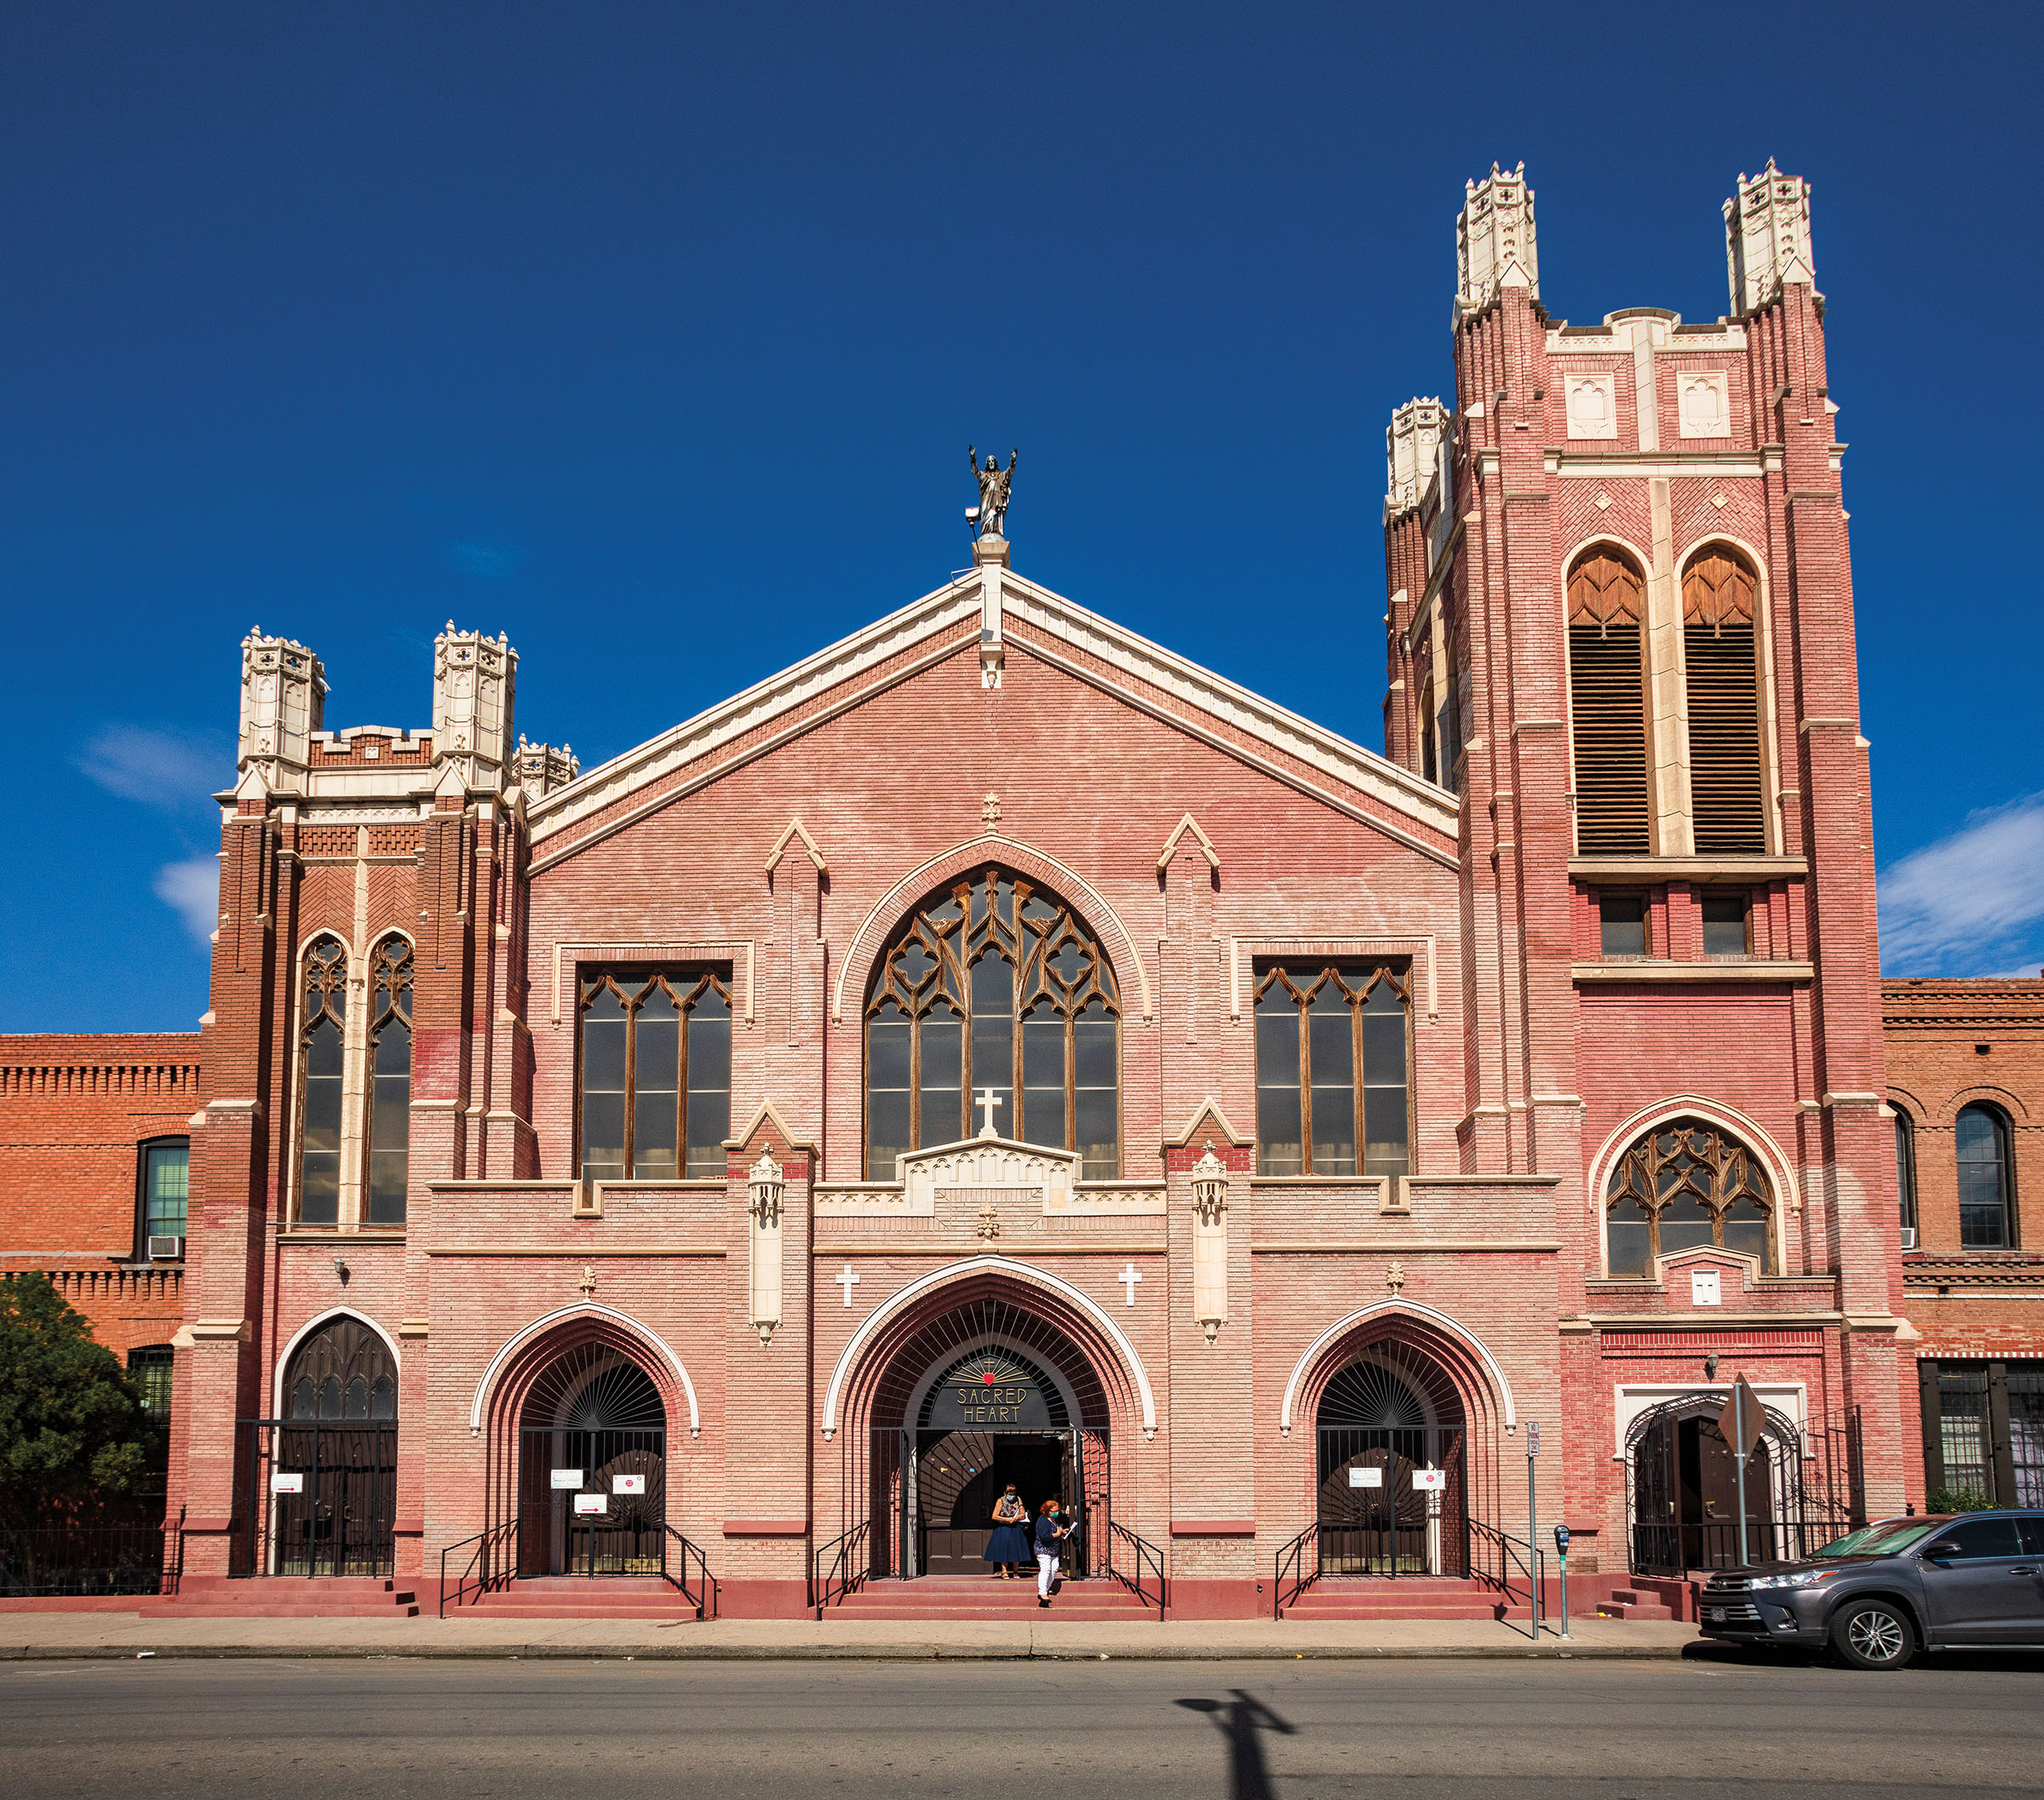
191	890
172	770
1971	903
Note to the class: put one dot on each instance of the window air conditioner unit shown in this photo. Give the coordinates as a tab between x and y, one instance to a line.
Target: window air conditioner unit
166	1249
1909	1237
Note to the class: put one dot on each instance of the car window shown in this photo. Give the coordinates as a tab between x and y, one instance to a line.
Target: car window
2032	1532
1887	1537
1981	1538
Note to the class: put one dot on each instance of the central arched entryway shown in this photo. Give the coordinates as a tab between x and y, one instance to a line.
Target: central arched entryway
592	1482
985	1394
1391	1471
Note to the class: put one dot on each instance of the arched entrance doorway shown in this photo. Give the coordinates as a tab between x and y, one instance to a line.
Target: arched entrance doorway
987	1394
1392	1495
592	1482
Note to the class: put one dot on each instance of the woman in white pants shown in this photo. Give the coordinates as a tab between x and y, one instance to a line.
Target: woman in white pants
1051	1533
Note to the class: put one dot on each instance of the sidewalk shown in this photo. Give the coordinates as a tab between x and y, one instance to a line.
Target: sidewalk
47	1635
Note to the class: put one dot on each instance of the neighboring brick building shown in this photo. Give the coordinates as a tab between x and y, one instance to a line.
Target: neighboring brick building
1965	1079
995	1048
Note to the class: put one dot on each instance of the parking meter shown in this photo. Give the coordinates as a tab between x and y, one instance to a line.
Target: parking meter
1561	1547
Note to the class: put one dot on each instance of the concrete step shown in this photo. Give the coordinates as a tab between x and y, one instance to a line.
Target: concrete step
1417	1597
1617	1607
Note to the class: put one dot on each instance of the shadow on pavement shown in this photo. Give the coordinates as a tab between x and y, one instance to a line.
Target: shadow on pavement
1239	1720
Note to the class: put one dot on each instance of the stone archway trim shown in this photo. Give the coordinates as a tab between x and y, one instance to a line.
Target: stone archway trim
924	1284
311	1325
990	847
1397	1309
585	1309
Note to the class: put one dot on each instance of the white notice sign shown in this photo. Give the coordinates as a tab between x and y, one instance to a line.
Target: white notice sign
1705	1287
596	1503
281	1482
1430	1480
628	1484
567	1477
1366	1477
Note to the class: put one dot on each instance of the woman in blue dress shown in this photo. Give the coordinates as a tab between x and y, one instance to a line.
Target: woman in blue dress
1008	1546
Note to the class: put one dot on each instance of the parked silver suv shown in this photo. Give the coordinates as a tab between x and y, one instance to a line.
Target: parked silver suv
1878	1595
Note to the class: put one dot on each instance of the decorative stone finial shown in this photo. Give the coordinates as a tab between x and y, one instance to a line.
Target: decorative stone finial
1412	453
1767	244
1495	244
540	768
1209	1187
764	1185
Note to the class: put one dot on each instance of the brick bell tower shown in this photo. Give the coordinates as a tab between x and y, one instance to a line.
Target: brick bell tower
1620	627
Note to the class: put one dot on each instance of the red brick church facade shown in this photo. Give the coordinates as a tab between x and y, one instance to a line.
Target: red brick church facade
997	1046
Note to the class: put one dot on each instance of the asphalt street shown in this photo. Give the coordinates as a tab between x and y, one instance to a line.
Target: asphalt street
491	1730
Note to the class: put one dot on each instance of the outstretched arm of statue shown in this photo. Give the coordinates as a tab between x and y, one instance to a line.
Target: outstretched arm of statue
972	459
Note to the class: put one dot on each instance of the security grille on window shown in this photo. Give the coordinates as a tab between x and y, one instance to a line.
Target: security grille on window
1331	1050
150	1369
1682	1186
322	1059
992	978
656	1073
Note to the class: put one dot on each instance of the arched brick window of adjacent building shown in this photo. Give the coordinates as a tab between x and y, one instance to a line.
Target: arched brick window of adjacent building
1684	1184
389	1081
1607	704
988	978
1905	1176
1986	1180
322	1038
1718	649
343	1371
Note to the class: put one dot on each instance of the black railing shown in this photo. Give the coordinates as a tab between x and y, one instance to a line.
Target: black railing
843	1566
1136	1563
1509	1566
1674	1549
1298	1567
492	1564
702	1596
78	1562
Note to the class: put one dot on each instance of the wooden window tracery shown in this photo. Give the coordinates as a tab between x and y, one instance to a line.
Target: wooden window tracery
1332	1051
343	1370
654	1096
1607	705
389	1081
993	979
1722	674
322	1061
1683	1185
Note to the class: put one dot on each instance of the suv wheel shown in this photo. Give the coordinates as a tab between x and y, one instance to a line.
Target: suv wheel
1874	1634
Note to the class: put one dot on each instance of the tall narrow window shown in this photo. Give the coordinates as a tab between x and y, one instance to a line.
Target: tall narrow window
1718	648
1332	1093
390	1081
166	1173
1607	706
1985	1185
1682	1186
656	1074
321	1039
1905	1176
994	998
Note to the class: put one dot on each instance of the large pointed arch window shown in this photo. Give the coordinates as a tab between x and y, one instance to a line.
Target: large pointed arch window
389	1081
655	1074
1683	1185
322	1043
342	1372
994	984
1722	679
1607	705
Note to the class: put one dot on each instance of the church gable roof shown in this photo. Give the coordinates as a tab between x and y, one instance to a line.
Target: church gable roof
940	625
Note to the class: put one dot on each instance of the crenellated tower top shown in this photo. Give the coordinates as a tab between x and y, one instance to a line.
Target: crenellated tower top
1496	246
1767	244
474	679
1412	450
283	700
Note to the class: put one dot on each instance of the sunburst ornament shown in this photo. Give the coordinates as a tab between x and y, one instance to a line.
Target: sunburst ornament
990	1370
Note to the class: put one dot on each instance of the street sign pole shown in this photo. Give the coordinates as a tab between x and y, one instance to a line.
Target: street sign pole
1533	1520
1738	1424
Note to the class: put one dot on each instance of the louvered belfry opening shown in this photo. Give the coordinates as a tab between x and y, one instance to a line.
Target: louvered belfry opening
1725	788
1607	704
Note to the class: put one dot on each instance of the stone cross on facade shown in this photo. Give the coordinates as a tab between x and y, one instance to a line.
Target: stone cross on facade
990	810
987	1101
848	1279
1130	1278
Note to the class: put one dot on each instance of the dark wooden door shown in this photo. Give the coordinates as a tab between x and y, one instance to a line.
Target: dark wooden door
960	1475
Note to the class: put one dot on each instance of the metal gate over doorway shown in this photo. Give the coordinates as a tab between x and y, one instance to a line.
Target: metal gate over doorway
322	1499
591	1484
1391	1495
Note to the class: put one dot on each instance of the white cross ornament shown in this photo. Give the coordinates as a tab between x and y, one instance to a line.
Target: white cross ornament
848	1279
1130	1278
986	1103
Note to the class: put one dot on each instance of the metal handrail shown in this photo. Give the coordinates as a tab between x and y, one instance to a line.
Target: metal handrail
1530	1559
487	1578
848	1571
174	1575
1142	1552
1294	1554
704	1597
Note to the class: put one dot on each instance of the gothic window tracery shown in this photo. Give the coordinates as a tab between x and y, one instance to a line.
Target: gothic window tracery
343	1370
655	1074
322	1047
390	1080
1683	1185
994	979
1331	1052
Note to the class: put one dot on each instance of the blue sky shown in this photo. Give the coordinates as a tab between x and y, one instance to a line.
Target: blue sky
653	336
